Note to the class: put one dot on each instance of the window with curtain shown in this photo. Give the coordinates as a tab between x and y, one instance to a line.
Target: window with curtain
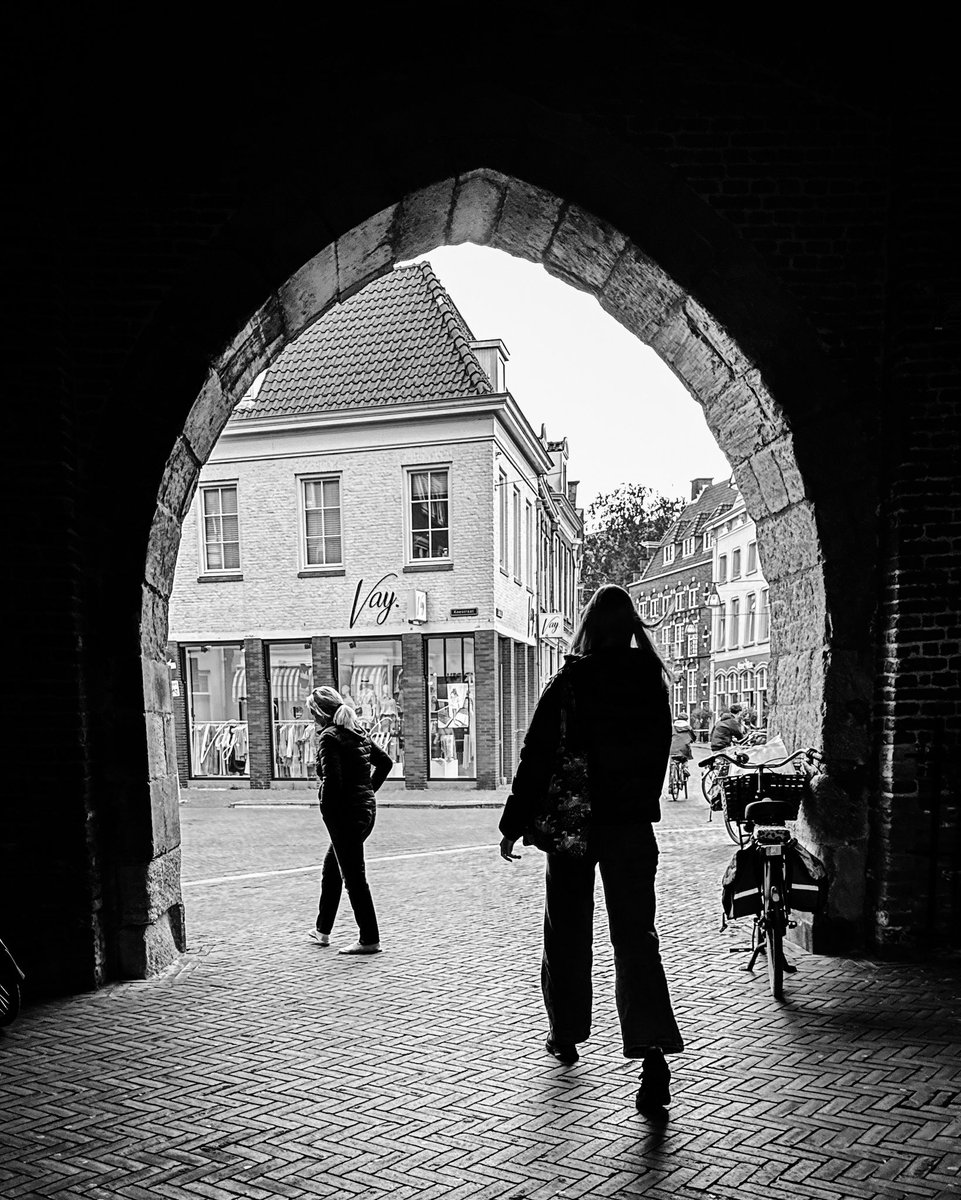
735	564
323	544
221	528
429	514
764	618
735	621
517	534
721	629
502	523
751	557
750	618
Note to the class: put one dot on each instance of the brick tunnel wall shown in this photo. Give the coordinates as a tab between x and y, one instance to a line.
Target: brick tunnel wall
140	253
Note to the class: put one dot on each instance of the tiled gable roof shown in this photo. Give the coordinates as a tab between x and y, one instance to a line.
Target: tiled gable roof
691	522
399	340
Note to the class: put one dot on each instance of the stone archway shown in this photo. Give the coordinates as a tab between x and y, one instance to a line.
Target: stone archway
812	685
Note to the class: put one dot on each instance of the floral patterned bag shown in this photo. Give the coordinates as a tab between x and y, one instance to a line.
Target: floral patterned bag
563	821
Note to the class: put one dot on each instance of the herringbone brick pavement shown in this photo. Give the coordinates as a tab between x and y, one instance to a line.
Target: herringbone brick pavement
265	1067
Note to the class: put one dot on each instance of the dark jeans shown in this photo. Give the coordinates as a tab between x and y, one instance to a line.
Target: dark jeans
344	867
627	857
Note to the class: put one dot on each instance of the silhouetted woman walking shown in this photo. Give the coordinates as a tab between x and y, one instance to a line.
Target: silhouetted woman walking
350	769
617	714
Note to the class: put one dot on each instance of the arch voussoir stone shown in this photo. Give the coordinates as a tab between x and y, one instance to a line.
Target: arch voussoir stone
478	199
528	219
584	250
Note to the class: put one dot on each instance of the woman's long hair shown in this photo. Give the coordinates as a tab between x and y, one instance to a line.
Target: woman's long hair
609	618
328	703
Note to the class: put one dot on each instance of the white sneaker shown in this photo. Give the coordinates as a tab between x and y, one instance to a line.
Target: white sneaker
322	939
361	948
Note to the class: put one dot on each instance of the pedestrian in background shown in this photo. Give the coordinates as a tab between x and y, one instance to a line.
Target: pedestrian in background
728	728
350	769
682	735
626	762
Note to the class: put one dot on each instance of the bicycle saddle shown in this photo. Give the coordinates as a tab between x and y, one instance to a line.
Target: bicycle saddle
769	812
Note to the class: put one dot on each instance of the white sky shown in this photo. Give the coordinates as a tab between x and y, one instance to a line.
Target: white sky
626	417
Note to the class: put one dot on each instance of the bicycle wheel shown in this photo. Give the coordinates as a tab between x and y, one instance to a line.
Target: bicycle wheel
672	784
733	829
710	787
773	928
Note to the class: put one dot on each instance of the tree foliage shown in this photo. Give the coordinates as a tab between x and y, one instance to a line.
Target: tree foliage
617	526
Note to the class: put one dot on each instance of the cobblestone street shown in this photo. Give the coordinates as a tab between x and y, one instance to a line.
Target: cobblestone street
263	1066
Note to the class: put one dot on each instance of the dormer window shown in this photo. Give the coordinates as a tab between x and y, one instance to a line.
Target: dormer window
687	547
669	553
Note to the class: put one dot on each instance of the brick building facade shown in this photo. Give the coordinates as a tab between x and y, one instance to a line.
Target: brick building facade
775	216
369	519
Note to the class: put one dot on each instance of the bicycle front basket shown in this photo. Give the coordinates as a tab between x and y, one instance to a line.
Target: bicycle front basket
740	790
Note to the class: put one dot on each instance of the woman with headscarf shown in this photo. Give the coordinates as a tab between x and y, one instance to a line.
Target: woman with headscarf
350	769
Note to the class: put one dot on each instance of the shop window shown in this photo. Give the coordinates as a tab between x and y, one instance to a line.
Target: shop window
429	514
221	527
217	711
369	675
290	680
450	707
323	543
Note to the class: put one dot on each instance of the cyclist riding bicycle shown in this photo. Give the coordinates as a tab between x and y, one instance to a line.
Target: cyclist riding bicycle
728	728
681	739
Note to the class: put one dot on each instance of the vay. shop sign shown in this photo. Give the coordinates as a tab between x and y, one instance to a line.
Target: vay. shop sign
381	600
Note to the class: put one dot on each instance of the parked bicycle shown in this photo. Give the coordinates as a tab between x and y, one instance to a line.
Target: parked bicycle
771	876
10	979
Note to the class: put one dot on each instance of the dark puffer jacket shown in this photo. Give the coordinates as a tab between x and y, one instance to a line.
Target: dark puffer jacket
622	719
350	768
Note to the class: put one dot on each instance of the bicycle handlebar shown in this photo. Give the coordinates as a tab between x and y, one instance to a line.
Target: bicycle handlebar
741	760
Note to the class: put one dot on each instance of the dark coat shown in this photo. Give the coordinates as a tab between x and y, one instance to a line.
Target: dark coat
727	730
622	719
350	768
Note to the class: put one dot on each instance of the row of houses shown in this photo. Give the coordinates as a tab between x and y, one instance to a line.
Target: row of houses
379	515
704	591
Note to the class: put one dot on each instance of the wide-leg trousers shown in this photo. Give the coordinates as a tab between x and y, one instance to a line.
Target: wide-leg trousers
627	859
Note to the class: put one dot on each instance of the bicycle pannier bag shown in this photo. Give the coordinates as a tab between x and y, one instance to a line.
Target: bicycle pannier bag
741	884
806	879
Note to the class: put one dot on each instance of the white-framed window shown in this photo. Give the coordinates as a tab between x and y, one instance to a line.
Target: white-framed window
764	617
692	598
429	505
722	569
221	526
655	606
750	619
516	501
323	544
645	608
502	524
678	690
735	564
707	541
528	543
692	645
751	557
669	553
688	547
691	687
721	629
735	621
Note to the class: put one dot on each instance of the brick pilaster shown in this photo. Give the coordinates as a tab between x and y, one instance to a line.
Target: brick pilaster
414	701
179	703
258	713
485	687
521	715
322	660
506	726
